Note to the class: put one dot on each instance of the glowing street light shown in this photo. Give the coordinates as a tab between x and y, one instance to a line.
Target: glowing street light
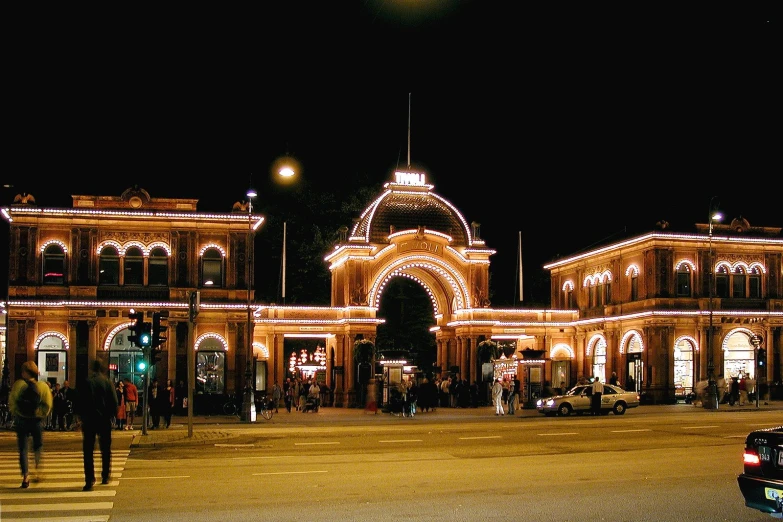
712	385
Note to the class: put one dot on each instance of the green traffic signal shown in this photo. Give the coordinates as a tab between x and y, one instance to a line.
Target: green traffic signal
141	365
145	337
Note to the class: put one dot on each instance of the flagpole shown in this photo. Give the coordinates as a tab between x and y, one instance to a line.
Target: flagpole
284	238
519	258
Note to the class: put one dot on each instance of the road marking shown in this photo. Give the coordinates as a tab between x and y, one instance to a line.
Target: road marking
627	431
234	445
24	508
557	434
314	443
56	485
698	427
268	457
89	518
58	494
478	438
157	478
289	473
396	441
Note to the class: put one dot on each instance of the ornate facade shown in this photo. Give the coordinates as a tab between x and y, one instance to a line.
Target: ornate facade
638	307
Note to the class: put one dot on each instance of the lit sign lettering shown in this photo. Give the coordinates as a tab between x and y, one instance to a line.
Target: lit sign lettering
409	178
429	246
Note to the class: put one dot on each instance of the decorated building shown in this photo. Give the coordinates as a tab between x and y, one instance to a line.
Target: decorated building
639	307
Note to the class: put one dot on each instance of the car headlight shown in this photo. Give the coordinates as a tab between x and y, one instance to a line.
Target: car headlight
539	402
549	403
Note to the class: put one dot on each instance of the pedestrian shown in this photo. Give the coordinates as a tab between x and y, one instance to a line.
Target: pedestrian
613	379
153	401
734	391
167	398
60	407
181	397
598	390
70	400
289	397
277	393
131	402
30	401
314	394
121	414
563	389
630	383
497	397
513	391
743	389
97	405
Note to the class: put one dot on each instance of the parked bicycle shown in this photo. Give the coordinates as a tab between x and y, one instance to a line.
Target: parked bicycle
265	407
231	406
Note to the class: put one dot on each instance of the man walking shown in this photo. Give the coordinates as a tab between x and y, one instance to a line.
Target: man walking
30	401
598	390
97	405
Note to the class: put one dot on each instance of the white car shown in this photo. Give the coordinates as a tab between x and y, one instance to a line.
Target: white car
577	400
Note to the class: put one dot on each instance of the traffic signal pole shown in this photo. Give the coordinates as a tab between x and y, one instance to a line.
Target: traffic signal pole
146	391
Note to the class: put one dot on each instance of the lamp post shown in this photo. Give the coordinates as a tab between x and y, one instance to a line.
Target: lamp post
712	385
249	400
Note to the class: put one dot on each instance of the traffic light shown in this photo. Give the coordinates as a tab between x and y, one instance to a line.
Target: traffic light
136	327
762	357
141	365
158	330
145	337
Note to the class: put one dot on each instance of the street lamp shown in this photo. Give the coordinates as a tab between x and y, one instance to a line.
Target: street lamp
712	385
249	387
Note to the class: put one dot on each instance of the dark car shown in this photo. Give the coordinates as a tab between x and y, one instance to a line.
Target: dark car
762	481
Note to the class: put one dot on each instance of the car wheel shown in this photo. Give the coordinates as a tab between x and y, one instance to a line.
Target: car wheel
564	410
619	408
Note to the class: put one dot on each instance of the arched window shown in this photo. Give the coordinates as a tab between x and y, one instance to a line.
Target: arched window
684	280
212	268
739	282
634	286
54	265
722	282
109	267
134	266
754	283
158	267
569	297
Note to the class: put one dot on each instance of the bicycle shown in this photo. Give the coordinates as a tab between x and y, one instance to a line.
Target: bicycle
231	407
266	408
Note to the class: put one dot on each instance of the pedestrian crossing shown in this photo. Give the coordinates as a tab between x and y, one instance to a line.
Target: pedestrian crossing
58	495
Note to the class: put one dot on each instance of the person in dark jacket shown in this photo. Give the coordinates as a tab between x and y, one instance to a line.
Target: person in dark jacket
96	407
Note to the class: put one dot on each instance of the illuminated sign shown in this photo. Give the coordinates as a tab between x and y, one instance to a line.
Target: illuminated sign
409	178
429	246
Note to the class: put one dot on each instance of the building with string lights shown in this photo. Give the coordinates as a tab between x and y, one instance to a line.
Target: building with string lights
640	307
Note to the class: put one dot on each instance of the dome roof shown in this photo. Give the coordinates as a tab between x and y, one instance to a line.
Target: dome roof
405	207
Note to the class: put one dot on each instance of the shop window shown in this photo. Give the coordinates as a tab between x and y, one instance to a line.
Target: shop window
684	281
738	282
212	268
134	267
109	267
210	372
54	265
158	267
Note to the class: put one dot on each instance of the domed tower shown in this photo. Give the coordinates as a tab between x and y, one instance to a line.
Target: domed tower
410	231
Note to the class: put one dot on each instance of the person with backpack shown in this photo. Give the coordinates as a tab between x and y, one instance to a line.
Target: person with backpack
97	406
30	402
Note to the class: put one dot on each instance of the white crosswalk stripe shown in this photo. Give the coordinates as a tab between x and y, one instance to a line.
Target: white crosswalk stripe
58	494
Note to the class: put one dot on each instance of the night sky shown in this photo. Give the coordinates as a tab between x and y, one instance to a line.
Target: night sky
569	129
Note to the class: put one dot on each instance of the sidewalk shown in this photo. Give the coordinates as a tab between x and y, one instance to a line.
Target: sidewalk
217	429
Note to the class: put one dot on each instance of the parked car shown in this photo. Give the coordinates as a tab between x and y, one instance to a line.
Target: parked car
577	400
761	483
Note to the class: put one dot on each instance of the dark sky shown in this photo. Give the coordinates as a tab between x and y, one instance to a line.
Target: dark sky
567	127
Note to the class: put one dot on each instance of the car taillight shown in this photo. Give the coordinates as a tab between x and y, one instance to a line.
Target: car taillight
751	458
